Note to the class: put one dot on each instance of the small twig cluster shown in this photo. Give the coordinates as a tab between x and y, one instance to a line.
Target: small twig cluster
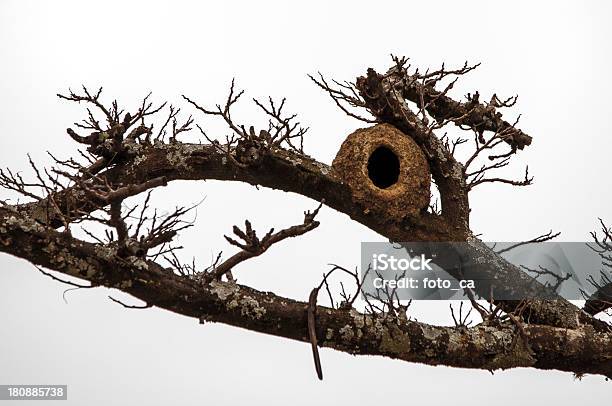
147	230
246	147
347	300
43	189
462	320
601	299
251	245
541	238
107	140
542	272
113	139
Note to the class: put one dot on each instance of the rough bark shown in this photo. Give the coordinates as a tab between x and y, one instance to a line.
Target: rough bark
305	176
545	334
491	347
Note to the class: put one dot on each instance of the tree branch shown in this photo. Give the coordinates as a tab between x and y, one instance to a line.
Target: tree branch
253	246
124	165
579	350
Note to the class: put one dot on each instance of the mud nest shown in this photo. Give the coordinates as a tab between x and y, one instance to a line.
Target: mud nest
385	170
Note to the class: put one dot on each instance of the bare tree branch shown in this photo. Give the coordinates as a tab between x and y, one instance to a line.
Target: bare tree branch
488	347
124	158
541	238
254	246
601	300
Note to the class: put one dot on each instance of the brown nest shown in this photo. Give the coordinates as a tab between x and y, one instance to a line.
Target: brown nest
385	170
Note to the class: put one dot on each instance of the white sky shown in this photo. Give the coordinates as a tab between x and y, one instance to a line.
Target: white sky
555	55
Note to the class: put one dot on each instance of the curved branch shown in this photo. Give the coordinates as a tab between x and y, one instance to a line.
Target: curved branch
580	350
284	170
280	169
294	172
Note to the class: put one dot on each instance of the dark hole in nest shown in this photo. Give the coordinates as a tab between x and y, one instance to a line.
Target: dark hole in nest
383	167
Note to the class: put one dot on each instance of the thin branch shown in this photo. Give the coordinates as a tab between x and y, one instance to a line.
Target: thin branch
541	238
145	306
254	246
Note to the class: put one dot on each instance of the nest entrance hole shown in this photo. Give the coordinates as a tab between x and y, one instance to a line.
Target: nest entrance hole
383	167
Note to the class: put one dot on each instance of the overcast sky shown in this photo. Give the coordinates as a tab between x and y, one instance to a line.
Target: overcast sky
555	55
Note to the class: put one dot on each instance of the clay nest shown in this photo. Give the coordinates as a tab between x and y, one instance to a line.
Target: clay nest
385	170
